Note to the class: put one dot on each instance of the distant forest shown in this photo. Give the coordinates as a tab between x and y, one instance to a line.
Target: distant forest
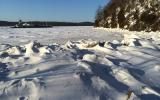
6	23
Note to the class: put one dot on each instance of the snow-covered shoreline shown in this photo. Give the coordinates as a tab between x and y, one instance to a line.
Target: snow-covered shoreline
141	34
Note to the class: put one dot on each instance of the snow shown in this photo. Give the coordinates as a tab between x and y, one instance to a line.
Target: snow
95	64
59	35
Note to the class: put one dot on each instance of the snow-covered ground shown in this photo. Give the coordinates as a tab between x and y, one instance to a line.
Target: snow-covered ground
51	35
96	64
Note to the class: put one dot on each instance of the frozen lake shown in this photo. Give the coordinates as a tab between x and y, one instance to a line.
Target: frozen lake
56	34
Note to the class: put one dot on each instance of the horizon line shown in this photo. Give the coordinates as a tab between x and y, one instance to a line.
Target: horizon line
48	21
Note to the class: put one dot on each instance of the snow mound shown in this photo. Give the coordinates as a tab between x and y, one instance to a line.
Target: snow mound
89	57
133	40
112	45
157	68
23	89
81	44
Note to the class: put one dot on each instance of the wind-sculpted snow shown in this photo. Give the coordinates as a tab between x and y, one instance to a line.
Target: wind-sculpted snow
127	69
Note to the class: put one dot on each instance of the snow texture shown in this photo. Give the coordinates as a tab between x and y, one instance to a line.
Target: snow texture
123	66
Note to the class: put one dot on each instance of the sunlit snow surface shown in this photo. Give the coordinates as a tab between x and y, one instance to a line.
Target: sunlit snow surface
51	35
79	63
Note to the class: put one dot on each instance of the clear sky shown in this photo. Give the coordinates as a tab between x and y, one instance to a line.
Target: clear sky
49	10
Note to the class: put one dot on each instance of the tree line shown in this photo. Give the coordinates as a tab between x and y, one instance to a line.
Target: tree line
134	15
7	23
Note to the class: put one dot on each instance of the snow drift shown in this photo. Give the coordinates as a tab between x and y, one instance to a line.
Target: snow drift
81	70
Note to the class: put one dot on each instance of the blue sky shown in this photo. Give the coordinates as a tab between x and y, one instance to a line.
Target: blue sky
49	10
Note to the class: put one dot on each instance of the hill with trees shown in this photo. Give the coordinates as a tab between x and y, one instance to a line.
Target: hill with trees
134	15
